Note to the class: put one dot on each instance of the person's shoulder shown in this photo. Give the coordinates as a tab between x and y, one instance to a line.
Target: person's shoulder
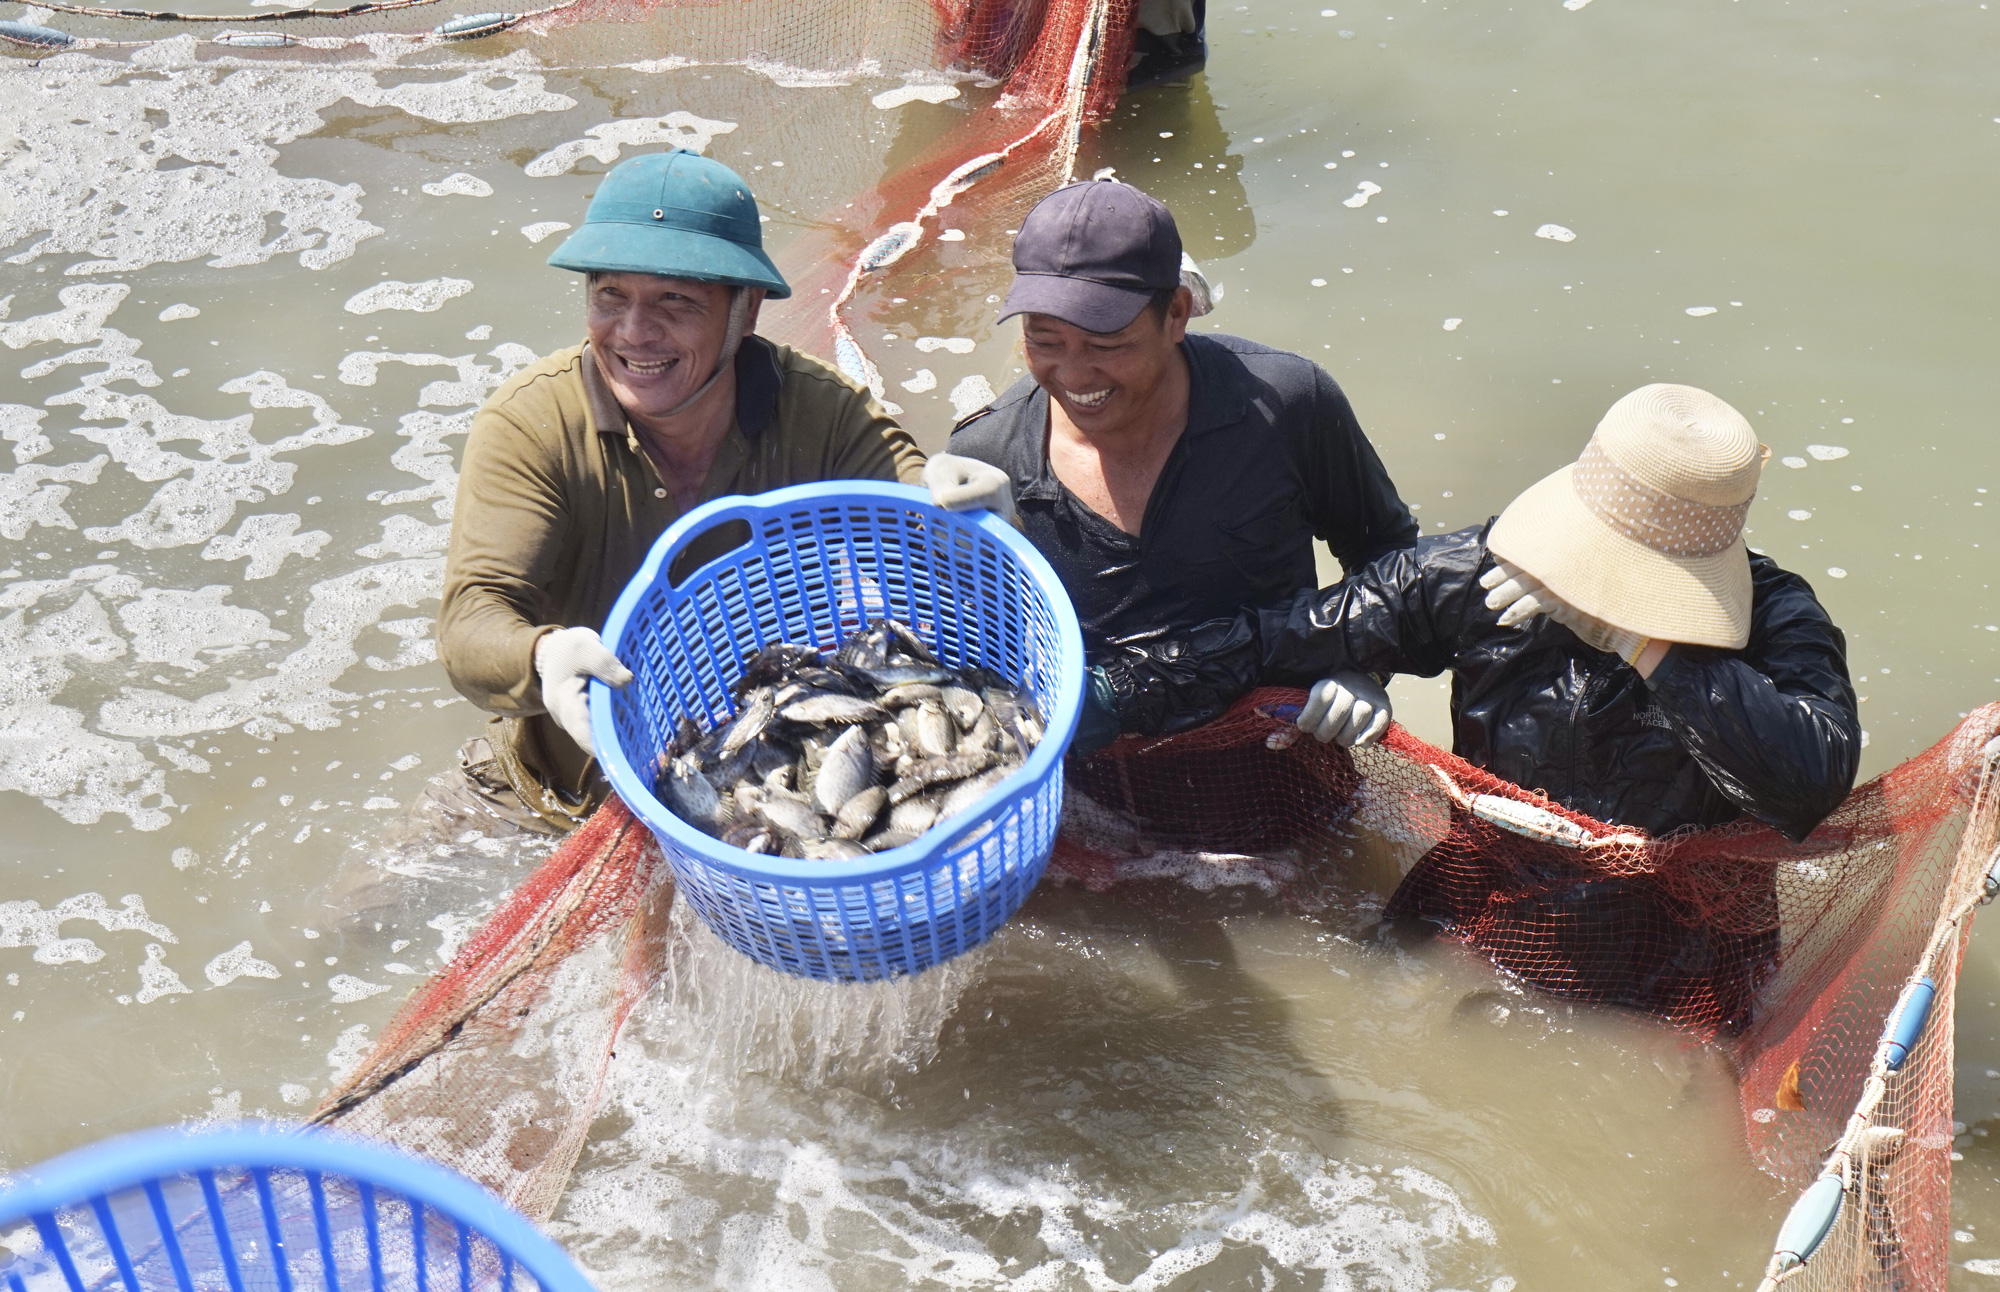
988	433
802	373
1777	591
542	392
1290	375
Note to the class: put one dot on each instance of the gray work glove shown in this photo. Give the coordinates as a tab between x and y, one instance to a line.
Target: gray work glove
967	484
566	660
1351	709
1519	596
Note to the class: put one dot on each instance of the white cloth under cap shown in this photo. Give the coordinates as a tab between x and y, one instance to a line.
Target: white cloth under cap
1644	531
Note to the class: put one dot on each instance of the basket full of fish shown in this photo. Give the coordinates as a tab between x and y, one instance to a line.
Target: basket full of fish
846	722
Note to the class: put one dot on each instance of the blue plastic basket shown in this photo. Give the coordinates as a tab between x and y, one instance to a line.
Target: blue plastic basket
819	563
266	1207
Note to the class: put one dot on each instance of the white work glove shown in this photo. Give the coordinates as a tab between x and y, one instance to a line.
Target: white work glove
1350	709
1519	597
566	660
967	484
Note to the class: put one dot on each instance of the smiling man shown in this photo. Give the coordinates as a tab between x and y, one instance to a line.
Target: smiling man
1168	476
582	460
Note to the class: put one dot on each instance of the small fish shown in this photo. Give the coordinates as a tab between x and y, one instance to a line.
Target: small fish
792	818
858	814
889	675
911	644
933	733
847	769
909	695
691	795
864	748
984	732
963	705
828	707
751	722
969	791
937	771
773	663
752	836
912	816
866	649
832	849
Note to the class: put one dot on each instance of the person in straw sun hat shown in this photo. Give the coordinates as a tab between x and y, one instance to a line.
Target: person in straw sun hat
1611	640
1613	644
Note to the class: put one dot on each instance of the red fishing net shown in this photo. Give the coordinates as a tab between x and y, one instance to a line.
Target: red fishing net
1788	956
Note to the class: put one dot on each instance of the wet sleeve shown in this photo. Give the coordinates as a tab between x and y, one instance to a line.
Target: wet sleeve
866	443
1775	726
1353	504
1407	611
506	535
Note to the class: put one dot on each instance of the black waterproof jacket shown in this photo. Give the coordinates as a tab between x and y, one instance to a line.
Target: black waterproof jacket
1771	731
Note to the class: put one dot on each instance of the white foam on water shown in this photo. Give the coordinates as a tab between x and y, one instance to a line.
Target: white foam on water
914	93
422	298
265	542
1555	233
1573	5
347	989
1826	452
970	395
1451	325
949	344
176	627
1795	464
178	160
1362	192
349	1048
299	688
157	979
924	380
1799	513
238	962
1700	311
175	313
541	229
605	142
459	184
26	924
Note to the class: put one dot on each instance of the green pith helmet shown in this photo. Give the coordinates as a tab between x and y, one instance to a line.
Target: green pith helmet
677	214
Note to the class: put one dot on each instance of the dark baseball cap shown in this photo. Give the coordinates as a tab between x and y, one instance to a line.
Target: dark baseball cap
1092	254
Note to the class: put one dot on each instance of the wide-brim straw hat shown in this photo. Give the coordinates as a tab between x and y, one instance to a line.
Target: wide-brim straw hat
1645	530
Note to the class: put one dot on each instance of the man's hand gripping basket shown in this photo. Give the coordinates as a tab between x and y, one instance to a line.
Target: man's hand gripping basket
819	562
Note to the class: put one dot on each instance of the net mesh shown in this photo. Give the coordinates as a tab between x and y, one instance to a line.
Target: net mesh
1787	956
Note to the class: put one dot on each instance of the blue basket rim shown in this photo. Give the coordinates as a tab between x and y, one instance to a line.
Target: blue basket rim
128	1161
1020	784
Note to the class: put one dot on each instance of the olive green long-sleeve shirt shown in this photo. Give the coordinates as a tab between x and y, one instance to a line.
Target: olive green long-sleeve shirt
558	505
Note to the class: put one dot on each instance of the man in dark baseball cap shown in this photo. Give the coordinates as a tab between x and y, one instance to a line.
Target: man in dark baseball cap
1170	477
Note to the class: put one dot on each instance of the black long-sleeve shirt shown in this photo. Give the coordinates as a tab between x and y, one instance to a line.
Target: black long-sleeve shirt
1272	458
1771	731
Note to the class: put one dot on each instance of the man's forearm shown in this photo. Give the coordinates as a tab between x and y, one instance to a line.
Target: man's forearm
488	650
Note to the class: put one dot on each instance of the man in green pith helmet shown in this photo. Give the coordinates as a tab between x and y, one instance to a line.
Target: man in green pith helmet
580	462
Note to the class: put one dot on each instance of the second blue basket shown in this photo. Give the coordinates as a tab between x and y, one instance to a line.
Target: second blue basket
819	563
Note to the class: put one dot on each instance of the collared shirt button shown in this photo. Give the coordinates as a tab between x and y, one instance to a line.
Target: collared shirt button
659	493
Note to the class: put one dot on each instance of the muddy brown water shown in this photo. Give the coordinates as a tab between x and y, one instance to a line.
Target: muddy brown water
221	537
